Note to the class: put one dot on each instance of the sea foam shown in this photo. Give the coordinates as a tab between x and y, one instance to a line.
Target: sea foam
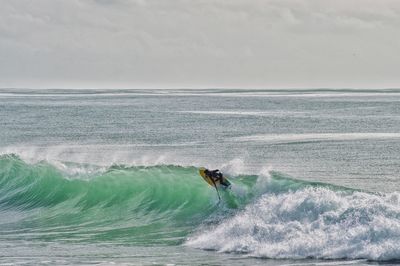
311	222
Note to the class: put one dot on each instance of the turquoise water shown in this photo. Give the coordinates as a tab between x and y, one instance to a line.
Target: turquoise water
110	177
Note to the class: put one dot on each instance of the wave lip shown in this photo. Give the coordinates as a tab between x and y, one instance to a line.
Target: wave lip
311	222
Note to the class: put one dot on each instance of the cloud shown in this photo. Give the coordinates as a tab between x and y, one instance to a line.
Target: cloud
236	43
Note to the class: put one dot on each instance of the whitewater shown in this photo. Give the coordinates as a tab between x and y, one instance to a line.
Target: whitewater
111	177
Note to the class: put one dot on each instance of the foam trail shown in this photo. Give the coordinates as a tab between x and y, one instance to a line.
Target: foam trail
311	222
234	167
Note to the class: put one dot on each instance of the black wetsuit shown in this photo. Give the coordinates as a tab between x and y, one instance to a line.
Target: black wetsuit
216	175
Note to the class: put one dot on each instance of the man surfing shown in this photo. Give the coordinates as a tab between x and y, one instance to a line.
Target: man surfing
214	178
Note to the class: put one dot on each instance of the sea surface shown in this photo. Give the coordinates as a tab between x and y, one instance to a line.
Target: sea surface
110	177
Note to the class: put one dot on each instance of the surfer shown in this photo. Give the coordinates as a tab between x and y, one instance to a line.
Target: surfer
217	176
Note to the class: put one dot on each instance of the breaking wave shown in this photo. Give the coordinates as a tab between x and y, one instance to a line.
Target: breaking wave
268	216
311	221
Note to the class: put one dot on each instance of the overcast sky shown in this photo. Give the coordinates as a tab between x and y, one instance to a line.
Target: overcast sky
199	43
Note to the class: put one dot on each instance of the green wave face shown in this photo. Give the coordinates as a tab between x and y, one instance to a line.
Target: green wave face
142	205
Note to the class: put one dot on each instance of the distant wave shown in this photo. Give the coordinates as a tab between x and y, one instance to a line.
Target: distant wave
246	113
310	137
238	92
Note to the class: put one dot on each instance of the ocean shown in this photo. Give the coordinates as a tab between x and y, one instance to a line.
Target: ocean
110	177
